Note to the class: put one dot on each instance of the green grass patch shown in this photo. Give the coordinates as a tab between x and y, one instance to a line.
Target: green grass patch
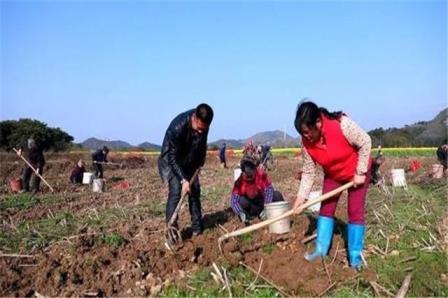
409	220
247	238
41	232
113	239
21	201
405	152
204	285
268	248
201	281
25	201
105	217
38	234
156	208
354	291
215	193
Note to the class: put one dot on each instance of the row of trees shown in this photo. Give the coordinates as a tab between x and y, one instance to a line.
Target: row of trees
421	134
13	133
395	137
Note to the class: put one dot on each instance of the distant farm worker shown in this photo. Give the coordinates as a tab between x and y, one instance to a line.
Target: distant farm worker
250	149
265	149
442	156
77	173
251	191
376	164
342	149
259	154
98	158
34	155
222	155
264	155
183	152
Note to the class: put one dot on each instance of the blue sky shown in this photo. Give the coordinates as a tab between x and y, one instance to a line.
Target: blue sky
123	70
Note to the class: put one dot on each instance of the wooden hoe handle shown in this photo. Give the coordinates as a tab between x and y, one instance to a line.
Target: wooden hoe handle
35	171
287	214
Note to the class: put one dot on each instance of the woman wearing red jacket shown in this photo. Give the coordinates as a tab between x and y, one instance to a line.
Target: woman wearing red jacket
251	191
342	149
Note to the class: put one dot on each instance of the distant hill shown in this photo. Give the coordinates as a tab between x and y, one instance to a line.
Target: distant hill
274	138
423	133
94	143
230	143
149	146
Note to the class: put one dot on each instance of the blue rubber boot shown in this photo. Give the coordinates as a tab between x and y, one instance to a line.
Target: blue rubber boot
325	227
355	244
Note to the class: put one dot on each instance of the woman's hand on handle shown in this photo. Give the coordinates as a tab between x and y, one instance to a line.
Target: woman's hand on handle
358	180
299	202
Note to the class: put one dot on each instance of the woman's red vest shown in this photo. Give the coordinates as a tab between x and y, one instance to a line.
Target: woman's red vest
335	154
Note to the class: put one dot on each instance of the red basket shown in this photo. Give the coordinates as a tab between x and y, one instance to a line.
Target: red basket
16	184
121	185
414	165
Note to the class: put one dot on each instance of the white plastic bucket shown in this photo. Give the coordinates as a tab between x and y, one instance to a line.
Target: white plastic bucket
87	178
437	171
98	185
312	196
274	210
398	178
236	174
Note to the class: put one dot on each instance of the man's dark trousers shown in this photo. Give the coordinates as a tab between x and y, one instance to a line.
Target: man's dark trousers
174	195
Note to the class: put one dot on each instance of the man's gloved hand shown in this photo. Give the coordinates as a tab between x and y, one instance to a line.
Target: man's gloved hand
243	218
263	215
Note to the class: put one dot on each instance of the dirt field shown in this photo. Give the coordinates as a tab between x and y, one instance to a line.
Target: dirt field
75	242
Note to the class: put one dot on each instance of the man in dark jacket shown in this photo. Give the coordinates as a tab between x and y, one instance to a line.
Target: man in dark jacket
98	158
35	156
183	151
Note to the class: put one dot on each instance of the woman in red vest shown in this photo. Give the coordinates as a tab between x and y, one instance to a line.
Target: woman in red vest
342	149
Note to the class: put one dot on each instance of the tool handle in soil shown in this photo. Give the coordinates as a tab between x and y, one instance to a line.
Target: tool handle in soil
285	215
108	163
35	171
179	205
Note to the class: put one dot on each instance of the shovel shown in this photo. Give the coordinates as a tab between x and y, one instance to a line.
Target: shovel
109	163
284	215
32	168
174	236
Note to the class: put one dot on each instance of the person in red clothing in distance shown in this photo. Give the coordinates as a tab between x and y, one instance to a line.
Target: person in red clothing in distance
251	191
250	150
342	149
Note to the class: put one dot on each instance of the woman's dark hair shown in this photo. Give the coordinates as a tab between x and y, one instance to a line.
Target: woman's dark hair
247	164
308	113
205	113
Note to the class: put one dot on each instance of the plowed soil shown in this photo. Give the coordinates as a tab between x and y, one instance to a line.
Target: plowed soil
83	264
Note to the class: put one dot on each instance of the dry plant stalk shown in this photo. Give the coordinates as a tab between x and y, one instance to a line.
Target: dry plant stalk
284	294
404	287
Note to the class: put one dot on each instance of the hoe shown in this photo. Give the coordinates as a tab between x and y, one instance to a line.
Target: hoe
110	163
173	235
34	170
